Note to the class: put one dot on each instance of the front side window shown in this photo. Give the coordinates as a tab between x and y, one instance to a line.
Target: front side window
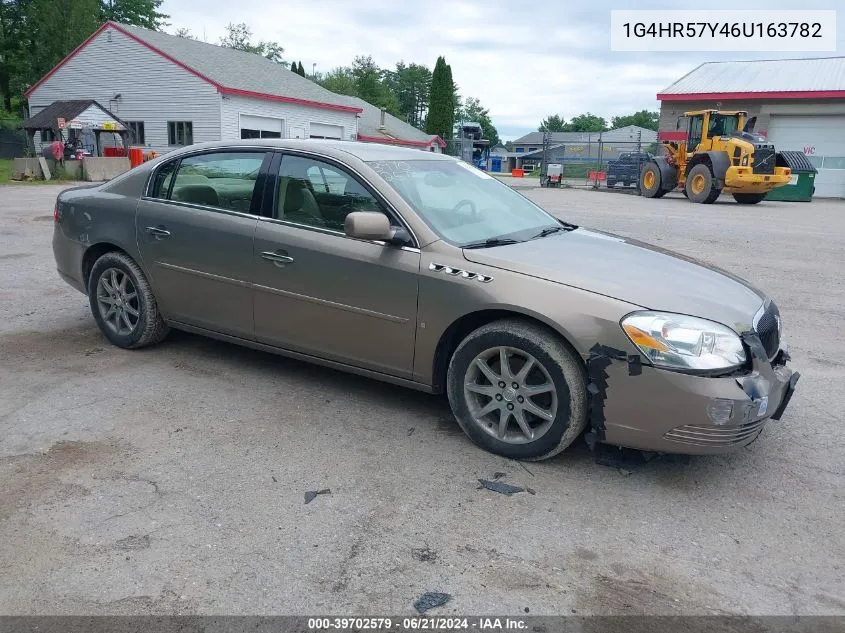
722	124
223	180
463	204
315	193
180	133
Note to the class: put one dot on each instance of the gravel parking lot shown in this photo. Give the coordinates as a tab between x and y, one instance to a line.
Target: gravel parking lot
171	480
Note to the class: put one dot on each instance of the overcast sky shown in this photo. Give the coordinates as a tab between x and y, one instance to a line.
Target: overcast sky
523	60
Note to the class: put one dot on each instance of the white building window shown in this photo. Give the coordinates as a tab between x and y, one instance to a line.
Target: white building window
180	133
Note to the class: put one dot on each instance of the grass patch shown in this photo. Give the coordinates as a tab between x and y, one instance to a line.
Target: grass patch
5	170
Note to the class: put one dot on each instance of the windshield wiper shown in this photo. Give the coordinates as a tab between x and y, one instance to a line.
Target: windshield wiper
493	241
549	230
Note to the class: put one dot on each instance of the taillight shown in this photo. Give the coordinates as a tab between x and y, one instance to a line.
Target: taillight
57	217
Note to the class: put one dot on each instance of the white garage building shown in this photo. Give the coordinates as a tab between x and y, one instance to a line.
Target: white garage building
171	91
799	105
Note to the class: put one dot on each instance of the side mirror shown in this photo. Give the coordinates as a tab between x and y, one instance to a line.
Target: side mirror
373	225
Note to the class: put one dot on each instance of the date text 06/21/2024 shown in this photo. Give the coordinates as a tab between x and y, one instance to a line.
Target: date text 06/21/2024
417	623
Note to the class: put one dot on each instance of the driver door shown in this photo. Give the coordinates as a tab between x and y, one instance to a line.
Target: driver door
322	293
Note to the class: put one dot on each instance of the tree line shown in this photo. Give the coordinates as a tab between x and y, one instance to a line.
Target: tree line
589	122
36	34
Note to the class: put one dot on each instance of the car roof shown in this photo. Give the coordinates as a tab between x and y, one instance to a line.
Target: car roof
363	151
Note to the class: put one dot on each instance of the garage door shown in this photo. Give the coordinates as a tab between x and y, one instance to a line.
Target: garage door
322	130
822	139
261	126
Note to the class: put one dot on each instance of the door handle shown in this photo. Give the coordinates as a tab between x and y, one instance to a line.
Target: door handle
157	232
276	258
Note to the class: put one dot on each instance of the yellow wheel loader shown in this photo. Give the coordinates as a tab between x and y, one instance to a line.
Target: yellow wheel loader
721	153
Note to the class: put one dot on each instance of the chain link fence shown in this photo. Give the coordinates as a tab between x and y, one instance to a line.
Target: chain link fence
12	138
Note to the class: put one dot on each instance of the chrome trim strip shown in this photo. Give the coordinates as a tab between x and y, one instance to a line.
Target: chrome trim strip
332	304
199	273
202	207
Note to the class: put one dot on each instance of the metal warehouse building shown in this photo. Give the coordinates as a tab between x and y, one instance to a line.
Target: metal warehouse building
799	105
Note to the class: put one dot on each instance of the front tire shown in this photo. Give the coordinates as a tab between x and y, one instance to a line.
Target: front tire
540	416
123	304
701	185
650	182
749	198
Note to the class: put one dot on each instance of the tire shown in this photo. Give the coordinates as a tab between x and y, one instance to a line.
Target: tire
651	177
701	185
749	198
147	325
556	367
610	184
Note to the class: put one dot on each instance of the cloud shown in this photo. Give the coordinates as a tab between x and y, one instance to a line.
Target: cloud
522	61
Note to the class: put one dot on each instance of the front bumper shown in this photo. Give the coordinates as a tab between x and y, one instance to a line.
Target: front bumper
744	180
665	411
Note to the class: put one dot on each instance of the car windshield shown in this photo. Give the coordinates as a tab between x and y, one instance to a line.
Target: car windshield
723	124
463	204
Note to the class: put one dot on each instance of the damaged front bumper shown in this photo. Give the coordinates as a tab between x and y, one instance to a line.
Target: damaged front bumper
664	411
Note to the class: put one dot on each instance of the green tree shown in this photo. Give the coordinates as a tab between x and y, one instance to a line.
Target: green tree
643	118
587	123
14	62
185	33
339	80
294	68
143	13
411	84
552	123
239	37
59	27
472	110
370	85
300	70
442	101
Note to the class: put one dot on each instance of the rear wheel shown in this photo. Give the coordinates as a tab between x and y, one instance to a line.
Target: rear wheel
749	198
650	185
611	184
701	185
123	304
517	390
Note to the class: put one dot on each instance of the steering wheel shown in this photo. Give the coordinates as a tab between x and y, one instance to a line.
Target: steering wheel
466	203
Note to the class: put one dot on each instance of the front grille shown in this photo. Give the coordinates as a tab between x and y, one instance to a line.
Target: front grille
716	435
768	329
764	160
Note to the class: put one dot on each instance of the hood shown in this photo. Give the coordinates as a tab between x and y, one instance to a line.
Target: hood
631	271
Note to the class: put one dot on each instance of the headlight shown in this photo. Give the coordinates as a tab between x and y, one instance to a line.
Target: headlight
680	342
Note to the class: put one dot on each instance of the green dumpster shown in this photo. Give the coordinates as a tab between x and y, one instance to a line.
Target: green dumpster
802	184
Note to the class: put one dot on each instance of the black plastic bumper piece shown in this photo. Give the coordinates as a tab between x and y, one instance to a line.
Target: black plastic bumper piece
787	396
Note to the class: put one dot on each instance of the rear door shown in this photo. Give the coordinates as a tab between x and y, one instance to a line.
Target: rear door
195	231
322	293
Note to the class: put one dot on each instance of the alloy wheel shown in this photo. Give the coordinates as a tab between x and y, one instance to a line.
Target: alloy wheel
117	300
510	395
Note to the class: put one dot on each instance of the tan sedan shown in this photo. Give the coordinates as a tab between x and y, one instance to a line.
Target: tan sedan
419	269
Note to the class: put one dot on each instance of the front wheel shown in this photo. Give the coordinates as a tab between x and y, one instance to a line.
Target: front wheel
123	304
701	185
518	390
749	198
650	182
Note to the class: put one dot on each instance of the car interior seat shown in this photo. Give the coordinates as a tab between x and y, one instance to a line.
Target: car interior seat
197	194
299	204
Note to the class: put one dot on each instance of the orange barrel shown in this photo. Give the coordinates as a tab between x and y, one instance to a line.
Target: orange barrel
136	156
517	173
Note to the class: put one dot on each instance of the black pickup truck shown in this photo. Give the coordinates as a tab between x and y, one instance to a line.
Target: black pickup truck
626	168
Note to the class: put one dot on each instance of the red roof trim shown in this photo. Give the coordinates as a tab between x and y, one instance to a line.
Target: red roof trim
400	141
260	95
671	136
776	94
222	89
